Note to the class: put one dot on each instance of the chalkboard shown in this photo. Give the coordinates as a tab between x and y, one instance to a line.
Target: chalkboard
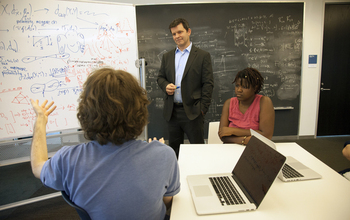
266	36
48	48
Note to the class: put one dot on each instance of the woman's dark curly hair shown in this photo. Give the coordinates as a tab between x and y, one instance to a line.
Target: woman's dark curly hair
112	107
252	78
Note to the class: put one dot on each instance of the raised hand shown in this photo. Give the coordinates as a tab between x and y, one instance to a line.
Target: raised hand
43	109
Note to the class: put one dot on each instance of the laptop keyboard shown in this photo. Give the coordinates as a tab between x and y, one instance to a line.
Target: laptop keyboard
226	191
289	172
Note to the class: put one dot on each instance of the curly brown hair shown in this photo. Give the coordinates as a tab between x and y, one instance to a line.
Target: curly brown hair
112	107
253	78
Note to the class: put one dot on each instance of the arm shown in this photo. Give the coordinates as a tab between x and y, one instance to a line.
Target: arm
228	134
38	152
164	84
168	200
207	83
161	79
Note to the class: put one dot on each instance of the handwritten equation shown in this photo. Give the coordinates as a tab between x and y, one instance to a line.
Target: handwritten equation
48	49
267	37
268	43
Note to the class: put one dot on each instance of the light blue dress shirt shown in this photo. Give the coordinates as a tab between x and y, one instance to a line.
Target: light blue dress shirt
181	58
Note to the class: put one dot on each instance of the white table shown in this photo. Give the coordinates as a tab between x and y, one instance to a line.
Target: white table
327	198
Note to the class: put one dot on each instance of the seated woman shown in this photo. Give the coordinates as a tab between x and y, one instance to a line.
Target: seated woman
248	110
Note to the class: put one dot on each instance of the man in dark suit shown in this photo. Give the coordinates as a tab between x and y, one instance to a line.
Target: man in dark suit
186	77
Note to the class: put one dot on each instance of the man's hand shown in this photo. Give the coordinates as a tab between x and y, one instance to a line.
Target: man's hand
42	110
170	89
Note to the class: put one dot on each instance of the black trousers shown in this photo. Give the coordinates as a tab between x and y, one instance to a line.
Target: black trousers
179	125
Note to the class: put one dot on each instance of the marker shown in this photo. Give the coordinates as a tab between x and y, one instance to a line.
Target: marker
177	87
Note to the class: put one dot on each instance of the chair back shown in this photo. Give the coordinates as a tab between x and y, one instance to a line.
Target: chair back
81	212
213	137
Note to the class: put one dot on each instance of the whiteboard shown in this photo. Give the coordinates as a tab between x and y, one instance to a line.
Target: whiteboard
47	50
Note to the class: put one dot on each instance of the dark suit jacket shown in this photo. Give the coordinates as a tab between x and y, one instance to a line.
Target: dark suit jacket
196	86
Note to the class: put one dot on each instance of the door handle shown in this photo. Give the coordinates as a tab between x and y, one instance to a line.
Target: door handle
322	89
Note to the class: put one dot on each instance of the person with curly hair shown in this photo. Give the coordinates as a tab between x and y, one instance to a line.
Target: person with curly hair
248	110
113	176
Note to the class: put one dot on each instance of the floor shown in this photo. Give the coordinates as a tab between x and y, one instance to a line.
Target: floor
18	183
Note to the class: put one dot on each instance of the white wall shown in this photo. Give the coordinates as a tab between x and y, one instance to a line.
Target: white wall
312	45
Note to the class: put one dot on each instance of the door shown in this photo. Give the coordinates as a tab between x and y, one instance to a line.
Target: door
334	106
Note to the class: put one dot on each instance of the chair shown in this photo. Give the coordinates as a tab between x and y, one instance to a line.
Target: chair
213	137
81	212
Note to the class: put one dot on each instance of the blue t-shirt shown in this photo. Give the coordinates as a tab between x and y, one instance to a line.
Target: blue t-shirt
115	182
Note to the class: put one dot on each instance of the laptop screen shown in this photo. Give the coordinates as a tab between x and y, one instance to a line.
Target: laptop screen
257	168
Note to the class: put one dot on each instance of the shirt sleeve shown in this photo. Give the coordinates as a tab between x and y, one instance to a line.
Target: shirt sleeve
51	173
174	178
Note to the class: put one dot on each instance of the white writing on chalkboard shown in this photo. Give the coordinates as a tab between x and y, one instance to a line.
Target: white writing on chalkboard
265	36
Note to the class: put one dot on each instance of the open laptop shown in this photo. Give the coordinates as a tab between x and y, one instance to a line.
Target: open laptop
251	178
293	170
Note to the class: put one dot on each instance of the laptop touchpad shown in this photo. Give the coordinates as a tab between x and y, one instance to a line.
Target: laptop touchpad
200	191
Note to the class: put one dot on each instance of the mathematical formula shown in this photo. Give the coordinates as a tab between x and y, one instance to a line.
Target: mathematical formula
48	49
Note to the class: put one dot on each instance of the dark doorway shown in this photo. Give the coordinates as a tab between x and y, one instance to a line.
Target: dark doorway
334	106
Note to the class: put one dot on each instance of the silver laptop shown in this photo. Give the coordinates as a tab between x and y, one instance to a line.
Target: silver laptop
244	188
293	170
